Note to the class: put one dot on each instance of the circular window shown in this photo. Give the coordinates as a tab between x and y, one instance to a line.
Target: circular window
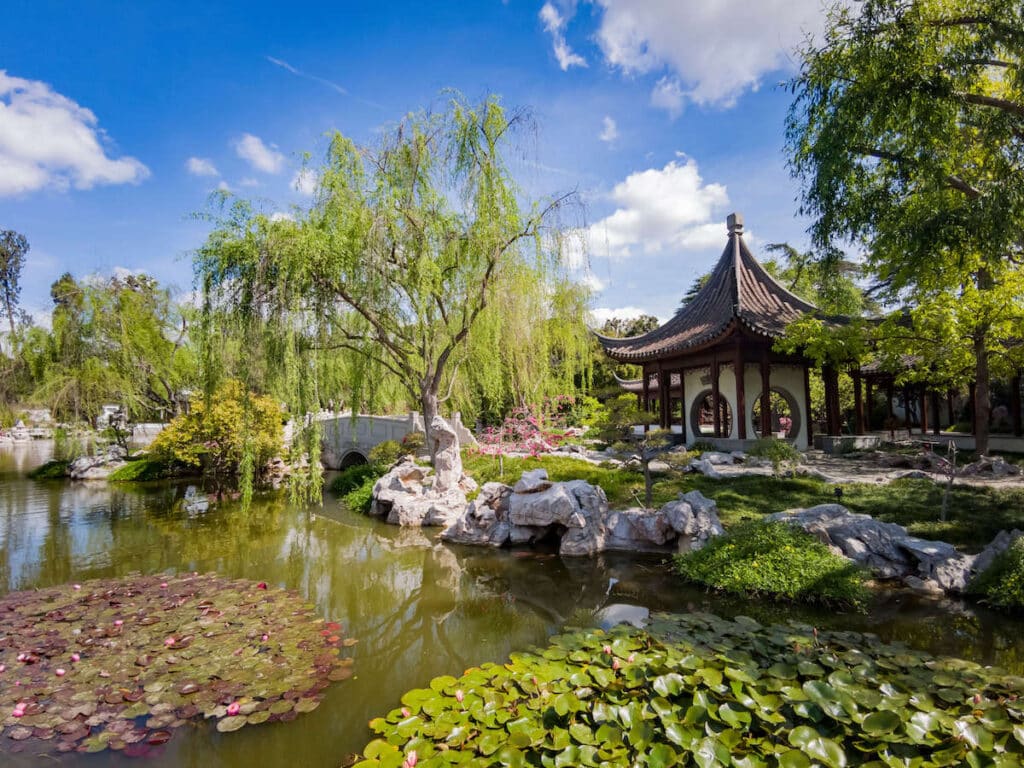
785	414
702	416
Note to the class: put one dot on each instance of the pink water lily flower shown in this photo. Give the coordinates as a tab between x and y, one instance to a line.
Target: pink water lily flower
60	672
411	759
3	667
118	622
169	642
406	712
631	659
607	649
77	586
233	708
75	657
459	696
615	665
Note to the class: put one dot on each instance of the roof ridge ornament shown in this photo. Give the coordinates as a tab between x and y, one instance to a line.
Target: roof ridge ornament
735	223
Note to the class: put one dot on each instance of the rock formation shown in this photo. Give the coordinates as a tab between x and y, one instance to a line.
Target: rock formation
892	553
576	514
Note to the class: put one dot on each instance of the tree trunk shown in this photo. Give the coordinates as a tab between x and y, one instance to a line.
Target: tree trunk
428	402
982	400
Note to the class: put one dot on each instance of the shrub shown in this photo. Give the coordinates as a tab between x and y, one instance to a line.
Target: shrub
1002	583
385	454
779	452
216	439
51	470
141	470
770	558
353	477
414	443
360	498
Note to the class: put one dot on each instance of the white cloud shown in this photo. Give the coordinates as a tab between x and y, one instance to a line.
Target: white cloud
593	282
305	182
249	181
658	210
609	131
281	216
717	48
49	141
260	156
554	25
223	186
668	95
201	166
601	315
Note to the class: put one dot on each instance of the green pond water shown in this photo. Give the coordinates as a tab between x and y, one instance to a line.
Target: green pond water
419	609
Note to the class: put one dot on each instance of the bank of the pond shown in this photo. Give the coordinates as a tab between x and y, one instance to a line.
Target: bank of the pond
419	609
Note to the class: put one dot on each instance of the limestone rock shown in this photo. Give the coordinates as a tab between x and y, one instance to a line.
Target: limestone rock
447	459
485	521
408	495
556	504
706	468
98	467
532	481
717	458
890	552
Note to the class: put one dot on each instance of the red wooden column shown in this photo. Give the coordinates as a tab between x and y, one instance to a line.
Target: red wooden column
766	398
682	402
831	379
936	426
741	400
869	401
1015	405
858	404
924	411
664	398
807	406
647	395
716	398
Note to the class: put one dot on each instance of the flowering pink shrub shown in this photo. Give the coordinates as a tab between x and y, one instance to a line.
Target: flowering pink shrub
785	424
533	430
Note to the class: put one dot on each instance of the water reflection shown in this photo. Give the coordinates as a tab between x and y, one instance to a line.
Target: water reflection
419	609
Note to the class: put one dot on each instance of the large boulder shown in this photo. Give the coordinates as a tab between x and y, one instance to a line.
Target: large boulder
892	553
408	495
98	467
485	521
447	458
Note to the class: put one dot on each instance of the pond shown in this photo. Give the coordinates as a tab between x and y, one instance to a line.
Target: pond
418	609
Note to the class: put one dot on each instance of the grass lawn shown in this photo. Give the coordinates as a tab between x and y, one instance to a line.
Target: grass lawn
976	513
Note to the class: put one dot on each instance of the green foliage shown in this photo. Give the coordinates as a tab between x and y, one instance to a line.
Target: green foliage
351	478
906	135
13	248
1002	583
218	436
56	469
360	498
68	445
777	560
386	453
141	470
419	267
699	690
414	443
781	453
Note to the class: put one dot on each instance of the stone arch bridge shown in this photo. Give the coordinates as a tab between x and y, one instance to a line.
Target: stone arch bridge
348	439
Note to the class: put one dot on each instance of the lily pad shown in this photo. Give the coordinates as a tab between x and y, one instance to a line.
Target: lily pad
121	663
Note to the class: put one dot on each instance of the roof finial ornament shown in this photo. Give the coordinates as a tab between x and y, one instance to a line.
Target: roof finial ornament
735	224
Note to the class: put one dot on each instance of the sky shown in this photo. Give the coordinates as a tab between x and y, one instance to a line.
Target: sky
119	120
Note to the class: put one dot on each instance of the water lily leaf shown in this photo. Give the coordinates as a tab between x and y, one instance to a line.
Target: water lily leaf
881	722
231	723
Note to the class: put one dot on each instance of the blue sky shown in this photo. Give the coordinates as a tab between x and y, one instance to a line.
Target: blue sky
118	120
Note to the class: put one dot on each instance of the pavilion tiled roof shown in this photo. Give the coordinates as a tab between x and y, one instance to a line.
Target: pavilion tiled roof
739	292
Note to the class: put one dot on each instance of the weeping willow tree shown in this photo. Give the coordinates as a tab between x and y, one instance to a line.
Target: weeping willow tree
418	267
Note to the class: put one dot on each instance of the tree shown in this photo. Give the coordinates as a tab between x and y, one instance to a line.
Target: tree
618	425
907	132
397	265
13	247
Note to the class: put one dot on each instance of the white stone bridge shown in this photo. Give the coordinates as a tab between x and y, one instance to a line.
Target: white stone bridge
348	439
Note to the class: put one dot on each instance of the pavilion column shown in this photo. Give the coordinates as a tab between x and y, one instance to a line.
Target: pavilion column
1015	405
740	416
664	397
682	402
973	397
807	406
924	411
858	404
647	395
831	379
716	398
936	426
766	398
869	398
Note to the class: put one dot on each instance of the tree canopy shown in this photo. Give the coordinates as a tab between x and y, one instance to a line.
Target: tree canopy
419	263
907	133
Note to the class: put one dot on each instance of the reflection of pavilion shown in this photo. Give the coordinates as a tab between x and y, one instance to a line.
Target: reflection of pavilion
690	363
